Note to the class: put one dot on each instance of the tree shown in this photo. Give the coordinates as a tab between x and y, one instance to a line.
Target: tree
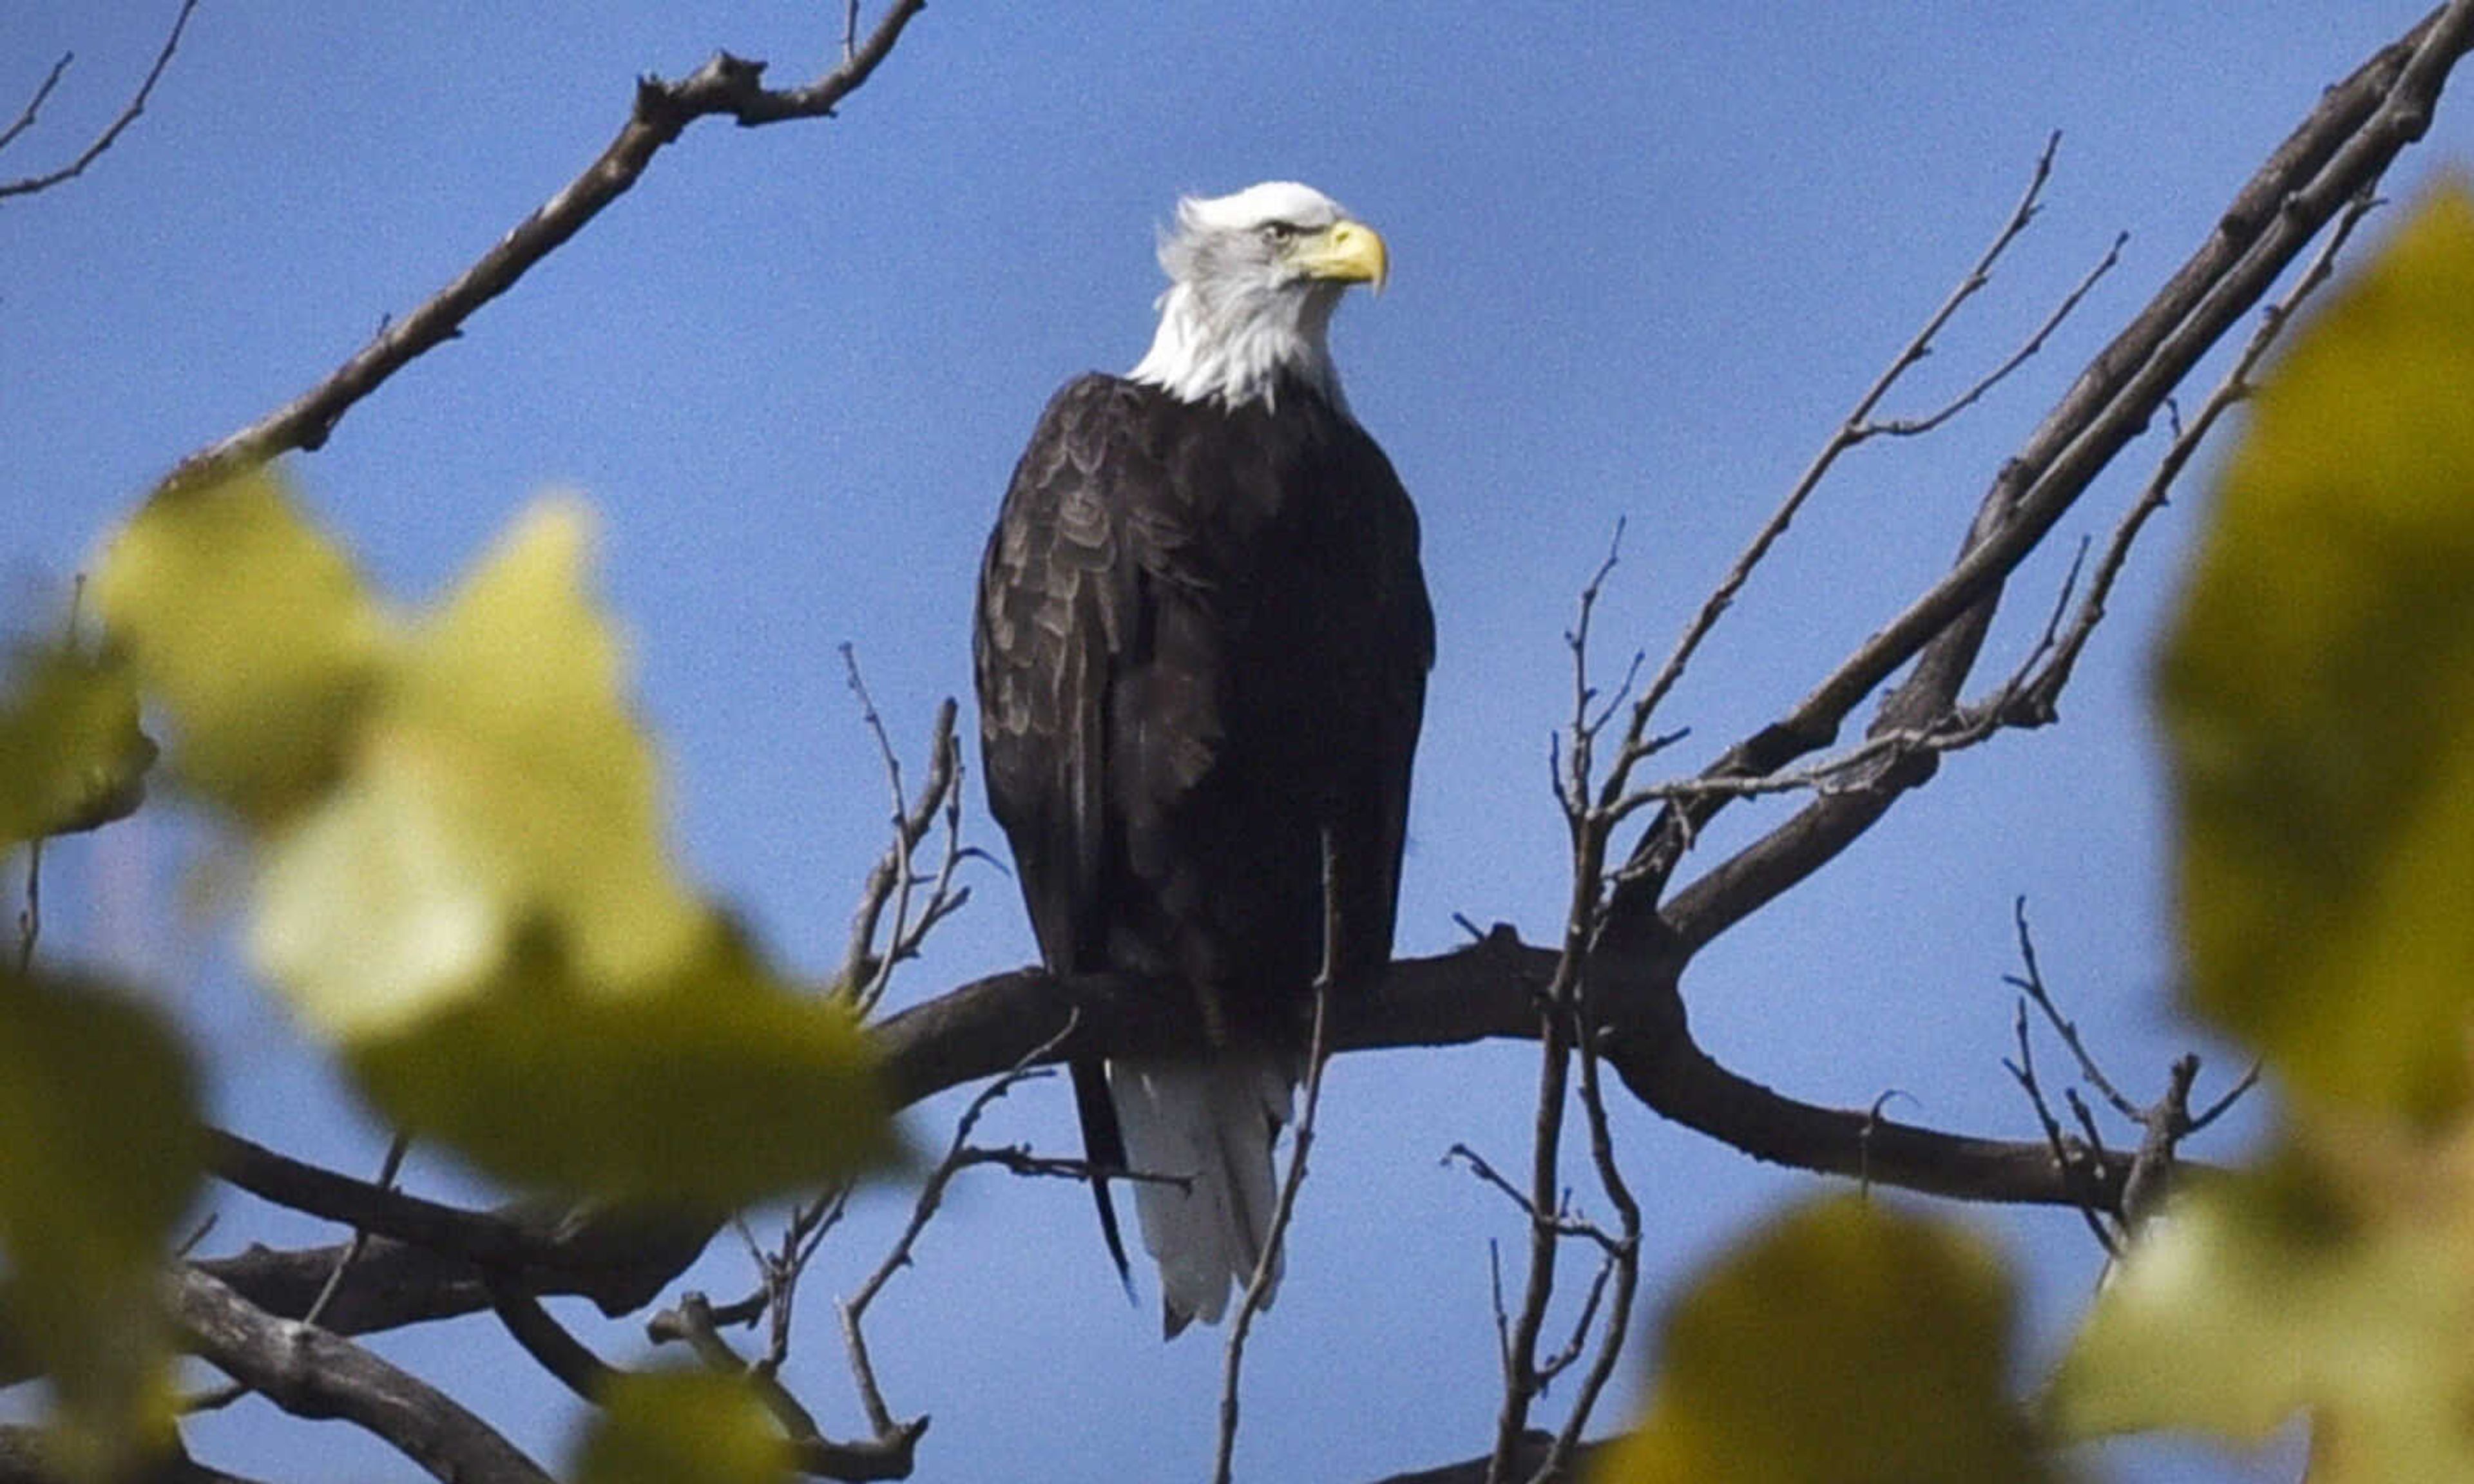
1643	907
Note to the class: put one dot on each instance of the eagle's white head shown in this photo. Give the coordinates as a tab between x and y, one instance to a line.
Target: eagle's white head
1253	279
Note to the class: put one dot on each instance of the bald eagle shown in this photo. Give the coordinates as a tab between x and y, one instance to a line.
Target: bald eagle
1201	650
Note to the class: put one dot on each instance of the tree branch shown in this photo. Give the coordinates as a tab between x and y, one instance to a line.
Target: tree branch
2340	151
724	85
23	1461
1486	992
29	185
314	1373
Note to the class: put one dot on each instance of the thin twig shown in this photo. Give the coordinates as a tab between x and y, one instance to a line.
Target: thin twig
1564	1222
874	950
2033	984
35	105
2068	1156
931	1193
1266	1262
886	1456
390	1166
1552	1366
1622	1263
111	132
2233	1094
1912	427
1851	431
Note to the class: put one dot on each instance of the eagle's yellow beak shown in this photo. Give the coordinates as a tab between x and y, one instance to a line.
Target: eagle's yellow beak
1348	252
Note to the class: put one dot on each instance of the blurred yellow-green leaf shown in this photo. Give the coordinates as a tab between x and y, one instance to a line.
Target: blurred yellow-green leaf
1848	1341
462	878
714	1086
682	1427
99	1157
2337	1278
482	913
2319	693
498	784
71	754
255	631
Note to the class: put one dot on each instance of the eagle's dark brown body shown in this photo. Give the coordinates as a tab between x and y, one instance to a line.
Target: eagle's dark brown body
1202	646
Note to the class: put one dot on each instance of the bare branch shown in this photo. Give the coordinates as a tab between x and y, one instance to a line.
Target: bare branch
887	1456
2162	1126
1914	428
932	1194
311	1372
725	86
1266	1262
2033	984
25	1459
867	967
1622	1264
2045	687
111	132
35	104
2339	149
547	1341
481	1238
1855	428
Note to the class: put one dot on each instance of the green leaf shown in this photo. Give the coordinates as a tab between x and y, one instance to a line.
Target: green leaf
2319	694
71	754
499	784
2340	1279
1846	1342
713	1087
682	1427
483	914
253	630
99	1156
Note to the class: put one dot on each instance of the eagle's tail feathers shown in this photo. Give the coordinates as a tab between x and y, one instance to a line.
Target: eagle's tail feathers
1212	1125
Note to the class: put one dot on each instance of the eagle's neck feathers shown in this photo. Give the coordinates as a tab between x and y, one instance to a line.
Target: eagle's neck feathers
1232	342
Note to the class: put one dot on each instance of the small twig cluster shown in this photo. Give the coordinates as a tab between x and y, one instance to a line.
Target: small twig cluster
2163	1125
917	901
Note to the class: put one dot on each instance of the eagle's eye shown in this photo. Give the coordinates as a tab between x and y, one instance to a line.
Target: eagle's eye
1280	231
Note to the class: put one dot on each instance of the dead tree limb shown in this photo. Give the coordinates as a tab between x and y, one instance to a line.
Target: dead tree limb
311	1372
725	87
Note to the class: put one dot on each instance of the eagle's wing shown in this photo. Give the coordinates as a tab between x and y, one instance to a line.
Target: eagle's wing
1371	807
1084	737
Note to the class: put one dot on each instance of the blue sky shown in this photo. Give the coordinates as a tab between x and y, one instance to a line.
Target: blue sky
1643	259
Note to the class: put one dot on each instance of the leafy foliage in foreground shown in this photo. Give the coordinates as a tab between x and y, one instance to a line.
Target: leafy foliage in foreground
99	1158
1848	1340
461	883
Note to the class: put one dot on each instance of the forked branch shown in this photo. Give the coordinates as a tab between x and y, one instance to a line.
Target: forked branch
43	181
